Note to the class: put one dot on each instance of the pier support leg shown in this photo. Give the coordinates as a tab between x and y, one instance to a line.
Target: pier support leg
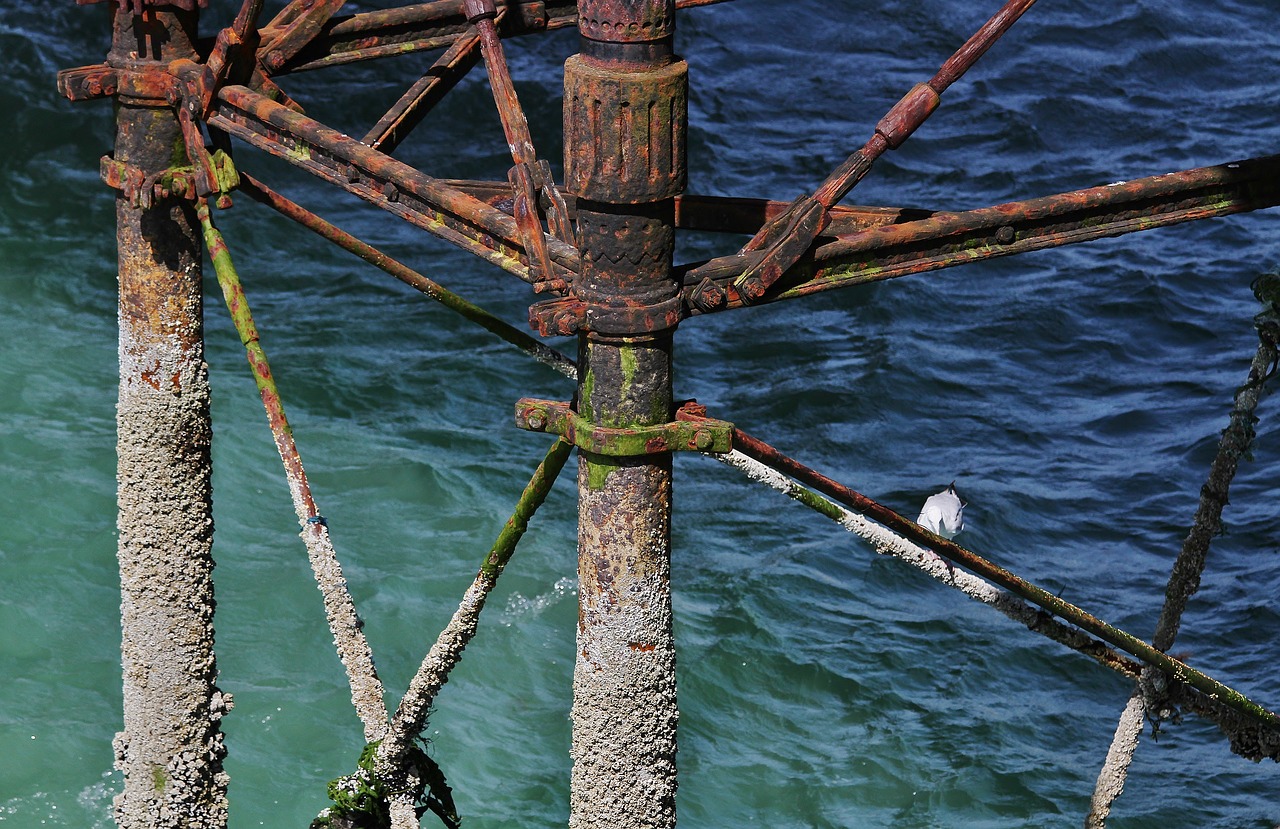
171	748
625	115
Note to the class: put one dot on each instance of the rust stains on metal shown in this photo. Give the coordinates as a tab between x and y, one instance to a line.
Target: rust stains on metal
706	435
637	121
171	748
413	28
945	239
422	200
624	136
531	181
782	242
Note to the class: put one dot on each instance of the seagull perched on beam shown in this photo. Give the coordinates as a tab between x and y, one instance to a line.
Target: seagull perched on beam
943	513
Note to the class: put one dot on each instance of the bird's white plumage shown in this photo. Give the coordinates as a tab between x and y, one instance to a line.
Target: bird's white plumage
943	513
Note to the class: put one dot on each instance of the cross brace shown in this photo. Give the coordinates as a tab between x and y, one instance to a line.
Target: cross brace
905	245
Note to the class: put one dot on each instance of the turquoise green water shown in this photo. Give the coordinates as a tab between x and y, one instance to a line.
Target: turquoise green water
1075	396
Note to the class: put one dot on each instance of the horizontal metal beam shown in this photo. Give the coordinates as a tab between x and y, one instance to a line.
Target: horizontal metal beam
425	26
718	214
414	28
954	238
381	180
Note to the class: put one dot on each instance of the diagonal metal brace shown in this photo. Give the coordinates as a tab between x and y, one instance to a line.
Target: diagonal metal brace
530	177
699	435
782	242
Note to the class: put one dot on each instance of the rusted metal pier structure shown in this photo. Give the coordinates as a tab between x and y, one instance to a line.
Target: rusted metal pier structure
596	253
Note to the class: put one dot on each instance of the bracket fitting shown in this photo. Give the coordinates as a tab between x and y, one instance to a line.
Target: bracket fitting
697	434
142	191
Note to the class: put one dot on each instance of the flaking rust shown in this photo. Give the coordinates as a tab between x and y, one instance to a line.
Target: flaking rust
625	99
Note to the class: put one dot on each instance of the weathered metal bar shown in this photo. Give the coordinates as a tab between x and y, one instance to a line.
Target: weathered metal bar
417	28
861	504
171	748
906	116
381	180
426	26
742	215
1236	443
300	25
783	241
946	239
717	214
339	609
625	124
425	93
432	674
1249	737
530	178
255	189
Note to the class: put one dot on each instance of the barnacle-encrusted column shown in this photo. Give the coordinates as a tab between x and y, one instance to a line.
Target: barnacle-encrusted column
171	748
625	123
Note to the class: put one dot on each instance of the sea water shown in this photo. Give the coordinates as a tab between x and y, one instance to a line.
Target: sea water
1075	397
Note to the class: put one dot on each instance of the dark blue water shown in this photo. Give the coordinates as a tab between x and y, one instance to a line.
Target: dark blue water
1075	396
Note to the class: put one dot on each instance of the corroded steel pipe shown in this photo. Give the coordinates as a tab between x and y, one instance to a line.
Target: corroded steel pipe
625	116
171	748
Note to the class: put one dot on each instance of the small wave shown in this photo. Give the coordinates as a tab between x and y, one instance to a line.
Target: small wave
520	606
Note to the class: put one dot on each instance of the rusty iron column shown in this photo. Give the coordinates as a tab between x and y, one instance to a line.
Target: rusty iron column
625	123
171	748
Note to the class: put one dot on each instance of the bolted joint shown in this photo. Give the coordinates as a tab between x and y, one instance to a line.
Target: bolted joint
625	130
708	295
143	190
85	83
694	434
151	85
558	317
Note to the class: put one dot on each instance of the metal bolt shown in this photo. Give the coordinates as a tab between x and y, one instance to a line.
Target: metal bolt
1005	235
708	295
537	421
752	289
703	439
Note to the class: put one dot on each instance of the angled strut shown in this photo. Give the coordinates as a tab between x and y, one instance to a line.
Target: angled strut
781	242
530	177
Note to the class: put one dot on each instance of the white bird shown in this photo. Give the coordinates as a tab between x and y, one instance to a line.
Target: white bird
943	513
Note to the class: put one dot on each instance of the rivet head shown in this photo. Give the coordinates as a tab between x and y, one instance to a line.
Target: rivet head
537	421
703	439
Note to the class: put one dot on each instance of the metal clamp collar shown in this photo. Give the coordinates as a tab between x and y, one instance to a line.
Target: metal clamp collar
697	434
